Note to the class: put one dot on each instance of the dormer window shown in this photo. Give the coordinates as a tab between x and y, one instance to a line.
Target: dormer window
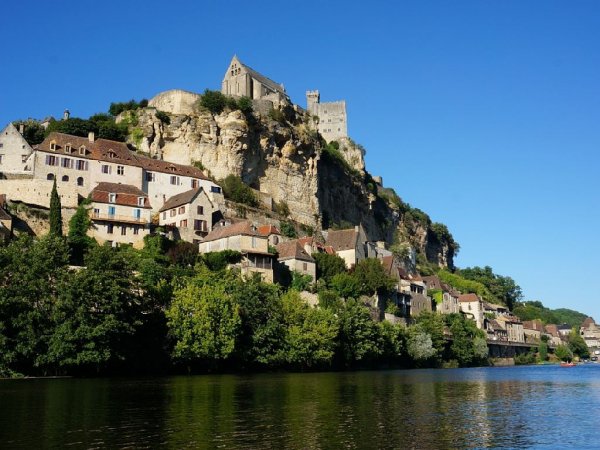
140	201
52	145
112	198
82	150
112	154
172	168
68	148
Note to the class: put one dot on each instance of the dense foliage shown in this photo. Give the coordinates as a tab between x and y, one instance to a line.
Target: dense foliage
216	102
33	131
532	310
55	212
236	190
117	108
102	125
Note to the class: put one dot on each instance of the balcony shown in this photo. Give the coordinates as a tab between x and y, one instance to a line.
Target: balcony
119	218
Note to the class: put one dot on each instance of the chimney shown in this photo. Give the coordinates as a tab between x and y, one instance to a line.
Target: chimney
91	136
22	128
356	228
66	114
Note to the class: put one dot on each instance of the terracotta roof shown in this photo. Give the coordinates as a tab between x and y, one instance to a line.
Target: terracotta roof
235	229
114	151
533	325
127	195
293	250
587	322
267	230
433	282
181	199
341	240
552	330
496	326
468	298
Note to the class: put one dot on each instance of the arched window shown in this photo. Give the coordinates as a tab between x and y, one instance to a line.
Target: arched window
80	181
65	178
50	176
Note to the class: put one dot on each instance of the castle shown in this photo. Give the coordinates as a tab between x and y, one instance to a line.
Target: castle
241	80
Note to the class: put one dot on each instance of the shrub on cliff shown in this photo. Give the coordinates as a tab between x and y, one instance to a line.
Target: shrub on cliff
235	190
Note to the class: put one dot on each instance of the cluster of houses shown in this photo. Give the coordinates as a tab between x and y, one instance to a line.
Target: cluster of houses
130	194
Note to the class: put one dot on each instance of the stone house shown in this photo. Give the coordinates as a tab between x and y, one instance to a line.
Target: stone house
188	216
449	303
295	257
15	152
120	214
533	329
272	233
564	330
332	121
590	333
495	331
242	237
241	80
551	330
472	306
349	244
513	327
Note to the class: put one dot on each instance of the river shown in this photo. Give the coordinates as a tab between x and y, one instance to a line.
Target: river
510	407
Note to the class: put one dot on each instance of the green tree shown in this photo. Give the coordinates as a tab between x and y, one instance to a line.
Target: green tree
433	324
300	282
563	352
288	229
346	285
393	338
358	336
371	277
543	351
74	126
310	333
78	240
33	131
55	212
328	265
235	190
577	344
204	320
214	101
502	289
419	345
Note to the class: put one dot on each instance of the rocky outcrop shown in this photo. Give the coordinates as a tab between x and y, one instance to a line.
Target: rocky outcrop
286	159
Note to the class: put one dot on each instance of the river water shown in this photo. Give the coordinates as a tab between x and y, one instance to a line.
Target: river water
513	407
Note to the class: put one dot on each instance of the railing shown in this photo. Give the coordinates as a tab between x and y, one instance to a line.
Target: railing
119	218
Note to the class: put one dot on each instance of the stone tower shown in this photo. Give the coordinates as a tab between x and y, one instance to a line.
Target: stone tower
312	101
333	122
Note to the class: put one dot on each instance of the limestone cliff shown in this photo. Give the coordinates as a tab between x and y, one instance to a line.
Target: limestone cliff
323	186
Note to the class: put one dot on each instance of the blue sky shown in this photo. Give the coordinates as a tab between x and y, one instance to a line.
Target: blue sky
485	114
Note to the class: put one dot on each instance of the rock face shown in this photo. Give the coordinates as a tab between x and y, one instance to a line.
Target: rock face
175	101
285	159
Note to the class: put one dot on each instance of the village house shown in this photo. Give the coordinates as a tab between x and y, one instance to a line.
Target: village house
564	330
120	214
399	297
15	152
295	257
513	327
349	244
533	329
590	333
449	303
495	331
472	306
188	216
271	232
551	330
242	237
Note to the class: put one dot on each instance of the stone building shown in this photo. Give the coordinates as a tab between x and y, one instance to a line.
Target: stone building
332	120
15	152
240	80
349	244
120	214
296	258
472	306
188	216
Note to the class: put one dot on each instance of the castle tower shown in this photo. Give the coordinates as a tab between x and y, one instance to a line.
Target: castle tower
312	100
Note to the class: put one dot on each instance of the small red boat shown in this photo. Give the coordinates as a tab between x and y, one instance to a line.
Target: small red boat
567	364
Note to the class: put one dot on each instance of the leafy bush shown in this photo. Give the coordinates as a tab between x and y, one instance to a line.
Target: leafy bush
236	190
244	104
288	230
33	131
219	260
117	108
525	358
277	115
282	208
163	117
328	265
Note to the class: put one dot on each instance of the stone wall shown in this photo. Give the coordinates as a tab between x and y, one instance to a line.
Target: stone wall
37	192
175	101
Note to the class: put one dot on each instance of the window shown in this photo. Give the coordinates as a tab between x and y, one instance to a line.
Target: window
67	163
181	210
109	228
112	154
215	189
175	180
136	230
150	176
183	223
96	212
111	210
200	225
65	178
304	266
194	183
51	160
172	212
23	158
120	170
137	213
112	198
110	243
106	169
200	210
140	201
52	145
81	164
68	148
82	150
50	176
164	214
79	181
123	230
1	145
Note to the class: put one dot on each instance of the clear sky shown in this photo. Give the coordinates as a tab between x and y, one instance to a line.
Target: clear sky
485	114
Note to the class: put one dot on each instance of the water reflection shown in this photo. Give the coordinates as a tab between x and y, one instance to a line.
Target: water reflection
473	408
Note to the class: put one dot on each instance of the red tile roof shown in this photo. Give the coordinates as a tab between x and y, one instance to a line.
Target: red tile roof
587	322
127	195
235	229
181	199
113	151
468	298
293	250
267	230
